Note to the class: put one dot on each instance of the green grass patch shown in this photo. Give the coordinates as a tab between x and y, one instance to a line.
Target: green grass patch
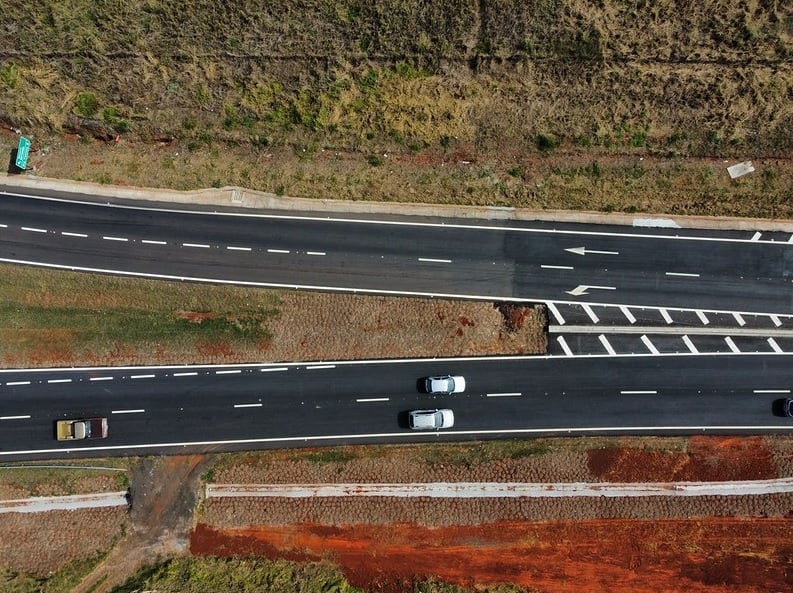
62	478
62	581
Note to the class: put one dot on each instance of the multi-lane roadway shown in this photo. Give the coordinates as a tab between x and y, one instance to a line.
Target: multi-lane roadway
725	272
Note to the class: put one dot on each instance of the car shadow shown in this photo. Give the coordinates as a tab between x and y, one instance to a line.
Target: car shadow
778	407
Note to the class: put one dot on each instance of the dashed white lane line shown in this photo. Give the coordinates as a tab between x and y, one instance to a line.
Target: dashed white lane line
372	399
200	245
277	251
100	379
650	346
434	260
151	242
667	317
142	376
563	344
20	417
628	315
274	370
320	366
59	380
15	383
109	238
775	320
550	267
682	274
79	235
703	318
33	229
606	345
762	391
190	374
555	312
3	226
732	345
315	253
774	346
233	248
756	236
512	394
588	310
247	405
230	372
136	411
639	392
690	345
739	319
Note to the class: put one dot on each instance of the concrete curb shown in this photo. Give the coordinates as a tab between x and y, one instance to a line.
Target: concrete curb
232	196
39	504
502	489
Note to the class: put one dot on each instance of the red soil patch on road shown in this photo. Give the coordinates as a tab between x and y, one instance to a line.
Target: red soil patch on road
709	459
716	555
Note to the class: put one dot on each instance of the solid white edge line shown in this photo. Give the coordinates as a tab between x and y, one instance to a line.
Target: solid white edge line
514	394
151	242
15	383
190	374
137	411
229	372
406	434
247	405
555	312
201	245
109	238
80	235
100	378
628	315
20	417
232	248
667	317
639	392
761	391
320	366
774	346
315	253
690	345
550	267
606	344
142	376
372	399
650	346
588	310
434	260
565	347
59	380
33	229
732	345
277	251
682	274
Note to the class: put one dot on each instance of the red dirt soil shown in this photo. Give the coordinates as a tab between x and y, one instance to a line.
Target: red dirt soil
716	555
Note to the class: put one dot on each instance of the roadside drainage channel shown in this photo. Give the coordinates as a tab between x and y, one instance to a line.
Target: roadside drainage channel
39	504
501	489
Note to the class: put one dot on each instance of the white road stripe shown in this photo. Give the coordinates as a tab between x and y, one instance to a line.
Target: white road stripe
682	274
142	376
732	345
20	417
628	315
639	392
756	236
230	372
277	251
151	242
247	405
774	346
563	344
275	370
321	366
606	344
435	261
739	319
15	383
232	248
703	318
667	317
549	267
109	238
59	381
3	226
372	399
687	341
650	346
760	391
201	245
100	379
80	235
555	312
190	374
33	229
315	253
775	320
514	394
588	310
137	411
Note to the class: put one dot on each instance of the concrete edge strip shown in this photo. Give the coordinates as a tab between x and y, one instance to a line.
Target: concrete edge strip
502	489
39	504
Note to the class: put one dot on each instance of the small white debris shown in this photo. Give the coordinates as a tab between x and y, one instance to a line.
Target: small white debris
740	169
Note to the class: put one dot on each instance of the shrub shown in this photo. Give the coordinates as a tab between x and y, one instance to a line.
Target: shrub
87	104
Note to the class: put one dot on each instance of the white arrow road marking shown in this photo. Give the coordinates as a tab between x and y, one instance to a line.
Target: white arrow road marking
581	289
584	251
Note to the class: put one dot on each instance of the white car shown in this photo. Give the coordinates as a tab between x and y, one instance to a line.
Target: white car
444	384
431	419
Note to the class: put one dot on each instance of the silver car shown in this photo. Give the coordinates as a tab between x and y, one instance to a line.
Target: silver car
444	384
431	419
